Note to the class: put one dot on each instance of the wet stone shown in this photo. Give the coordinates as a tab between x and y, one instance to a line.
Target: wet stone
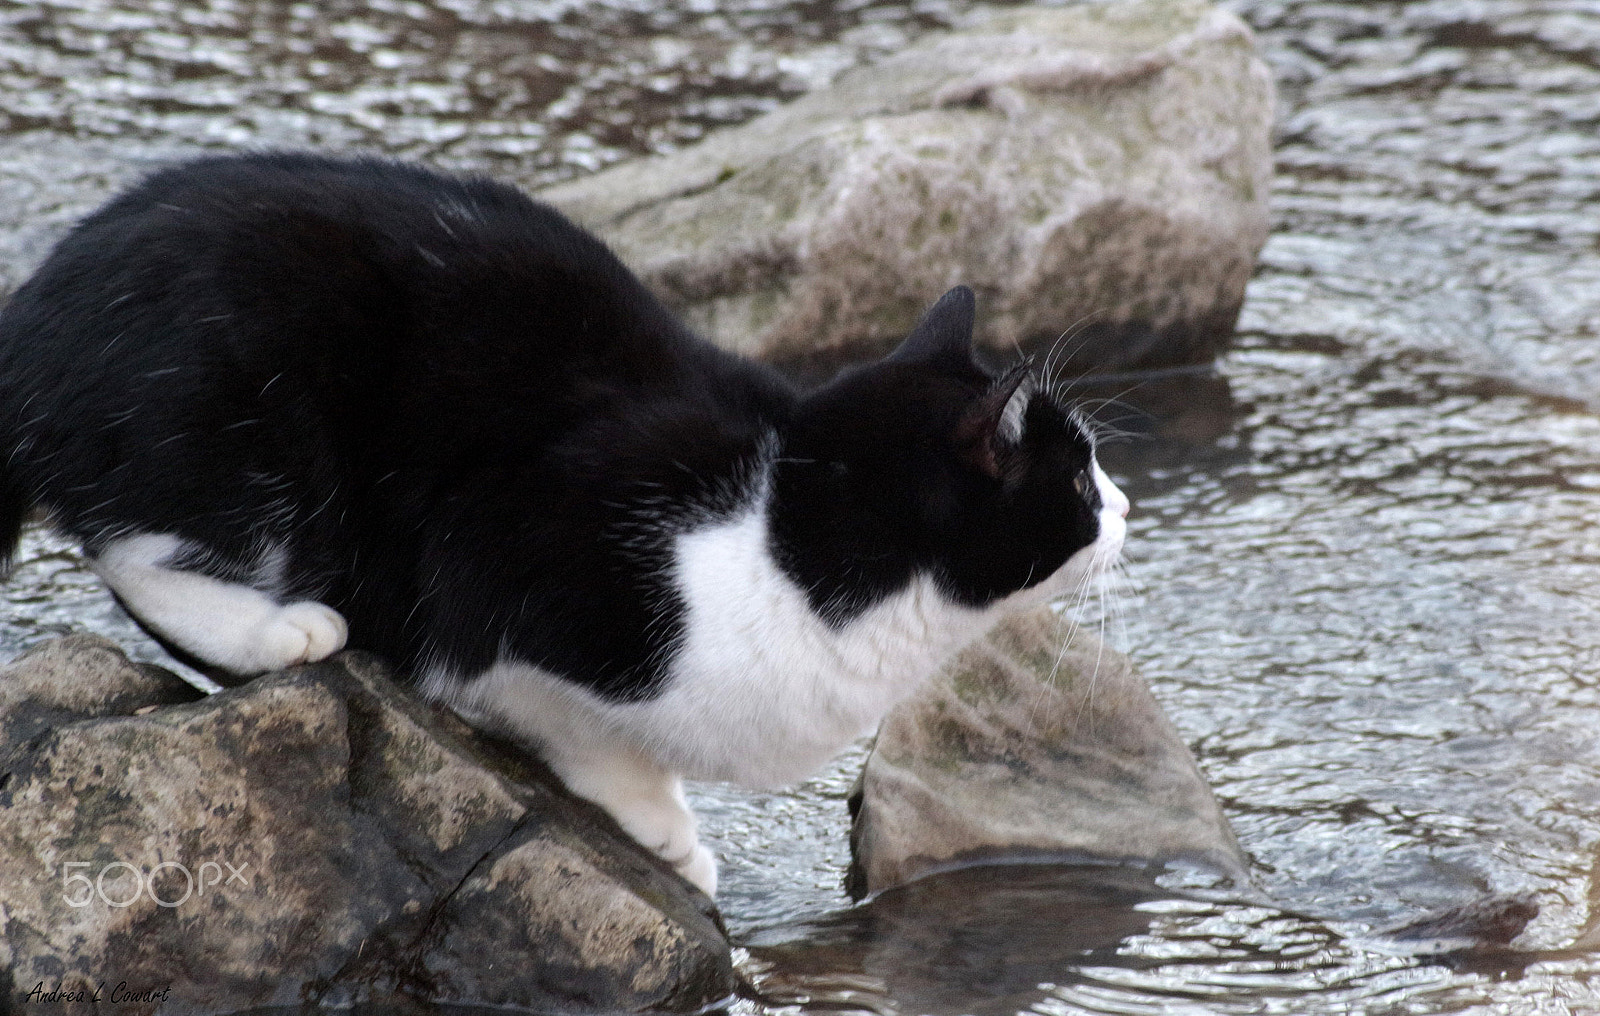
74	678
1037	744
320	836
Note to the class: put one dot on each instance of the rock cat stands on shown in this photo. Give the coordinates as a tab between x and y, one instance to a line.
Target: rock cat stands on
290	403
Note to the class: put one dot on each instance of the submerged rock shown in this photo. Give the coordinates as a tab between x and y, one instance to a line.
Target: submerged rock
1030	749
1483	924
314	836
1100	169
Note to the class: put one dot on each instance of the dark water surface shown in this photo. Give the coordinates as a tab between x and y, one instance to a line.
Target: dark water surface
1364	558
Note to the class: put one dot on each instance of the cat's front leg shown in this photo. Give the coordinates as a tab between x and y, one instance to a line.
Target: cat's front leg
646	800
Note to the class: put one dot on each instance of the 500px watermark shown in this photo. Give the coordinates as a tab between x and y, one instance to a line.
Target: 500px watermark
81	890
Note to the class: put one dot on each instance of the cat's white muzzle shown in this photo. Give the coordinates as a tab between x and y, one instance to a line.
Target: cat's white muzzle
1113	521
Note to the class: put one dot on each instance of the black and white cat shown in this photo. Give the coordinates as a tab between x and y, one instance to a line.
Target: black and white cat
290	403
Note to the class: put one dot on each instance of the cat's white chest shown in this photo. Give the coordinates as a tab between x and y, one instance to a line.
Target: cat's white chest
765	688
760	690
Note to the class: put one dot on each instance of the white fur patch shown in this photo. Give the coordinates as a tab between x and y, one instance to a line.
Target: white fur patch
236	627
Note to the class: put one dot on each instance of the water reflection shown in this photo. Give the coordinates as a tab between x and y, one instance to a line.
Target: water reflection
1057	940
1002	932
95	92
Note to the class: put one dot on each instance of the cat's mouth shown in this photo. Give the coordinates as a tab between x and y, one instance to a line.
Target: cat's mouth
1108	548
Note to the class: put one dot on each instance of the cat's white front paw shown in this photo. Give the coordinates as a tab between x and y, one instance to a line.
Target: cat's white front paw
662	827
688	856
303	632
666	827
646	801
701	870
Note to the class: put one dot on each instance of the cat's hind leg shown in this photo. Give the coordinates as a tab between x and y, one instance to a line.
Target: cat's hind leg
228	624
646	800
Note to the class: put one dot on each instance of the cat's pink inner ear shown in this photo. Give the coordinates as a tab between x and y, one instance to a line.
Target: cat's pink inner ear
994	422
944	332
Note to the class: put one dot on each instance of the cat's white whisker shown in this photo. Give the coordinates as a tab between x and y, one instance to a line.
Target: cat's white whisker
1080	326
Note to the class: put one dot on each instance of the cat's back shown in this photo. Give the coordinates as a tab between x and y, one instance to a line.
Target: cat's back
358	291
278	246
386	207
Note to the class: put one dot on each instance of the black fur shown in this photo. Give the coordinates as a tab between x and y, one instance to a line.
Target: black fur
474	431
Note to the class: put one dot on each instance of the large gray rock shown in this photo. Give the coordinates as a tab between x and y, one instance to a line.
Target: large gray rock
325	837
1029	749
1100	168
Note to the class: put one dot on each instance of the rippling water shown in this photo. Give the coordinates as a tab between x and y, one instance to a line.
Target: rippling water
1364	553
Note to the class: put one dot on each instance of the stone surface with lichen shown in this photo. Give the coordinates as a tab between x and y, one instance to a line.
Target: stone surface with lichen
383	850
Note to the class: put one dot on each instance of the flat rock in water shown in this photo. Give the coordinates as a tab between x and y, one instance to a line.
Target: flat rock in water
1027	748
1099	169
317	835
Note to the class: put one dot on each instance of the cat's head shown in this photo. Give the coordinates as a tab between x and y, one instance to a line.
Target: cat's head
926	462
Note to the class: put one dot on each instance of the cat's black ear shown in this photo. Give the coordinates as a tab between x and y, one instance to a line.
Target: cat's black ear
944	333
990	430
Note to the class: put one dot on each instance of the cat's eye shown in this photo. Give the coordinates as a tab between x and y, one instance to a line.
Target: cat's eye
1080	483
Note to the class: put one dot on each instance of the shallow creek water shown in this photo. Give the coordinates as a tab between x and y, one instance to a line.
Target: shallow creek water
1364	566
